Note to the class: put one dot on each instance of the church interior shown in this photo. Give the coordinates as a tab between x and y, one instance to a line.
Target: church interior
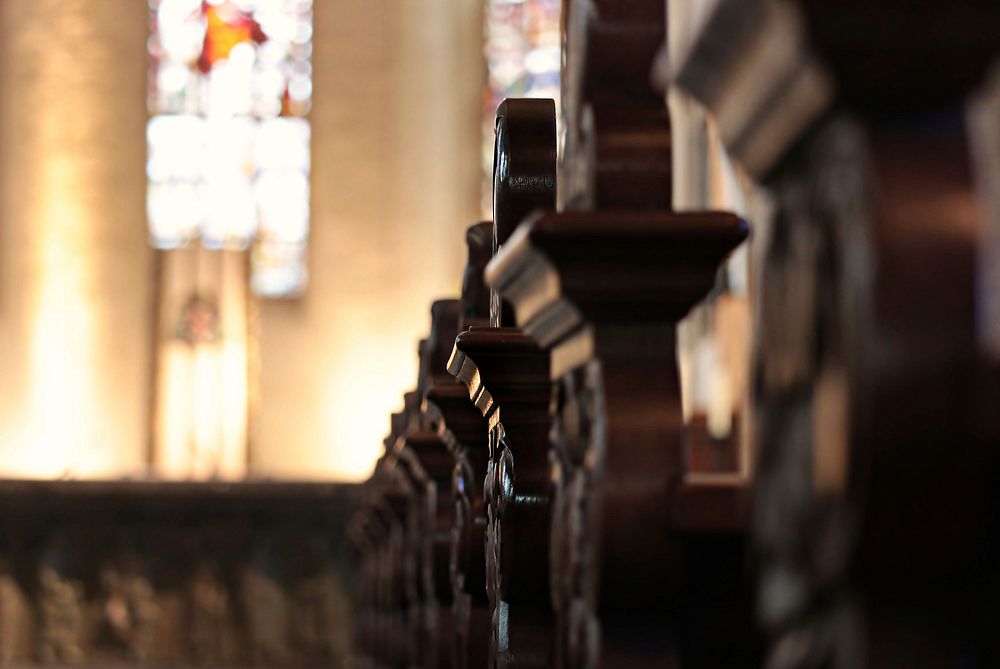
506	334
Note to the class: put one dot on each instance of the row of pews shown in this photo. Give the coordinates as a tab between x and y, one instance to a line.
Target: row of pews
173	574
543	501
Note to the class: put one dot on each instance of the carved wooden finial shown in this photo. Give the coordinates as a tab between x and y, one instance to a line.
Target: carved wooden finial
524	173
524	162
617	150
475	293
445	315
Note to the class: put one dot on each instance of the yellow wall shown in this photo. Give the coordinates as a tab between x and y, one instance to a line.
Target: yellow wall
75	272
397	97
398	86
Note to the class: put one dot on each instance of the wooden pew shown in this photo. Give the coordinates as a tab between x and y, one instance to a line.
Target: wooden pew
874	510
601	286
171	573
410	488
464	430
507	378
629	516
615	536
416	595
507	381
432	463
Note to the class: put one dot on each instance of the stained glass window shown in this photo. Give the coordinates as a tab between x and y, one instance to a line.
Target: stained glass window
522	57
230	86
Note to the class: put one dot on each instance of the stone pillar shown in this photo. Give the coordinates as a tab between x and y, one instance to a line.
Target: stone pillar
75	269
396	179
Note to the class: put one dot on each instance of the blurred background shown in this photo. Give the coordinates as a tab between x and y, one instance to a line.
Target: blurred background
221	225
223	221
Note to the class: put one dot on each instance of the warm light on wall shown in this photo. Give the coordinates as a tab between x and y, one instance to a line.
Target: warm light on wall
359	411
74	271
62	429
60	407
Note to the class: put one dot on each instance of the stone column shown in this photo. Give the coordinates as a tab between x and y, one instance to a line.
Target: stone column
396	179
75	269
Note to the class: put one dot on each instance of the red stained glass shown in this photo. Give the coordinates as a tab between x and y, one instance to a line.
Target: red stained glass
230	83
226	26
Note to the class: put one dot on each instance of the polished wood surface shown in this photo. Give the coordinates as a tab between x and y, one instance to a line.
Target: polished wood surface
596	525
